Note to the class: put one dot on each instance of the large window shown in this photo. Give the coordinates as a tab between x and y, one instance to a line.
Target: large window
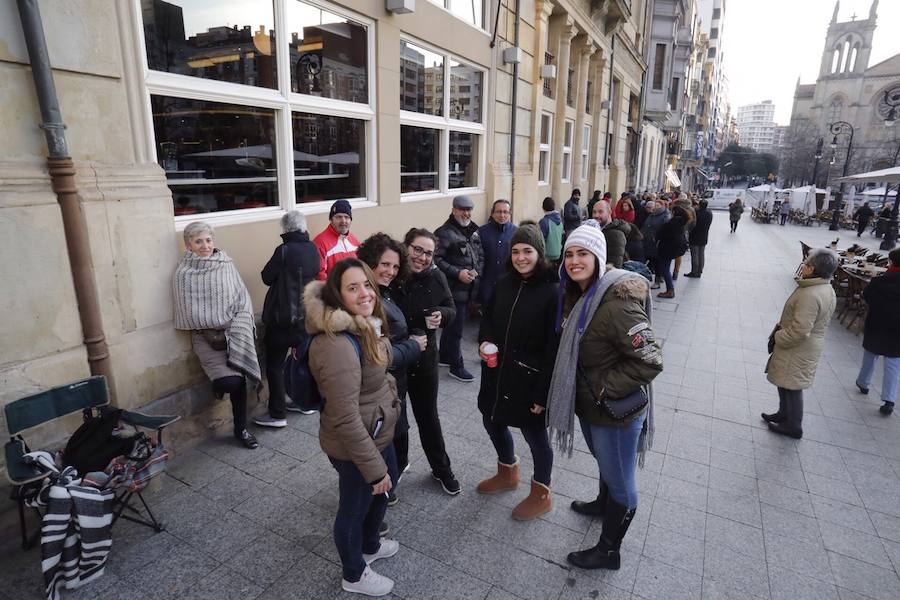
442	120
659	66
229	133
469	11
544	149
567	150
585	151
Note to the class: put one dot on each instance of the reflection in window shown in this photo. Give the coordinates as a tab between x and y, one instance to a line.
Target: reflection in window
216	156
421	71
463	160
329	157
225	40
418	159
329	54
465	92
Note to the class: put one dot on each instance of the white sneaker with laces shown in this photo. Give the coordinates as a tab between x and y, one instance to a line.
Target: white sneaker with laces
370	584
267	421
388	549
294	407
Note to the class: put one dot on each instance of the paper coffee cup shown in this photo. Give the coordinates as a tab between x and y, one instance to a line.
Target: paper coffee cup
490	353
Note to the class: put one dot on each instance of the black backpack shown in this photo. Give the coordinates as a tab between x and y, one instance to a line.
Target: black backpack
93	444
283	306
299	382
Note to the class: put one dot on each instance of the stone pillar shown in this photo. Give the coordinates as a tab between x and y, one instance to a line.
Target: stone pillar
543	8
598	131
584	49
566	32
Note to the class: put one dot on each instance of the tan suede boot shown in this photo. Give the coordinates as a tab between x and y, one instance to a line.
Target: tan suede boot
537	503
506	479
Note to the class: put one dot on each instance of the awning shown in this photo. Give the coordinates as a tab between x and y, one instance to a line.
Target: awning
891	175
672	176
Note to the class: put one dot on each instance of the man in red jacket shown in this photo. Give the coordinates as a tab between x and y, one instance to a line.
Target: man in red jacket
336	242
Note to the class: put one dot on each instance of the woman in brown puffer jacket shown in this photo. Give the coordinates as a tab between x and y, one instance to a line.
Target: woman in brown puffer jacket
348	358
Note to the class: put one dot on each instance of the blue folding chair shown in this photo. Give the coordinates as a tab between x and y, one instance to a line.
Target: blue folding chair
89	396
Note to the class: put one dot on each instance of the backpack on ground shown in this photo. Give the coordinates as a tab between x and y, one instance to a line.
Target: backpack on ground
95	443
283	306
553	243
299	383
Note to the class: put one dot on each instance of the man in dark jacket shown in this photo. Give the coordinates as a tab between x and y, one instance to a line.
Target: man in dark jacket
614	230
293	264
863	216
698	238
494	236
881	335
460	257
572	214
552	230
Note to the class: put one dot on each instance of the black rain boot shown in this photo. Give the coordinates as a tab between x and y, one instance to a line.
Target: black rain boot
779	416
792	424
605	555
594	508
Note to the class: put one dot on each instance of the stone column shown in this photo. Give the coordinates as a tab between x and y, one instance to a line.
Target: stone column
598	130
584	49
566	32
543	9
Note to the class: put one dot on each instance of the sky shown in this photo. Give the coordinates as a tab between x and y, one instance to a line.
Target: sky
768	43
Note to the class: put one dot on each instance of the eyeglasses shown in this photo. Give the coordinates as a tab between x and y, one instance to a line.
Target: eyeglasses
420	251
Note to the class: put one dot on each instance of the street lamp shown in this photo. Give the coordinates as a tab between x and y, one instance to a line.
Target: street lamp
839	128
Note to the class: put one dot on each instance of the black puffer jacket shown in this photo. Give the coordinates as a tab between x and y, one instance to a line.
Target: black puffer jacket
459	248
520	320
298	253
419	291
405	351
699	235
882	331
671	240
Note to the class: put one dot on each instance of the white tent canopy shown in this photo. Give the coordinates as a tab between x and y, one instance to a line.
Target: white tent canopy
879	191
891	175
804	198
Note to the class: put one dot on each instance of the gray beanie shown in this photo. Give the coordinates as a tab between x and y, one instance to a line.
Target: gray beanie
529	234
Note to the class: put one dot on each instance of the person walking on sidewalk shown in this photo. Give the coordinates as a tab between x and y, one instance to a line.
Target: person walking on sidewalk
863	215
797	341
735	210
386	258
294	263
460	257
784	210
212	302
356	427
698	238
881	334
519	321
427	304
606	361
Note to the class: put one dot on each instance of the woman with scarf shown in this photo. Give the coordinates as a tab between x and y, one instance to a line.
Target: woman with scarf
349	357
608	344
519	320
212	302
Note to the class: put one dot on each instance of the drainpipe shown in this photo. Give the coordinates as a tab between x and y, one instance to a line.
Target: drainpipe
62	179
514	112
612	62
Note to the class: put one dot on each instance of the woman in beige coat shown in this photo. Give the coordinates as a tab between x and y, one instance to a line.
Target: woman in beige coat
797	341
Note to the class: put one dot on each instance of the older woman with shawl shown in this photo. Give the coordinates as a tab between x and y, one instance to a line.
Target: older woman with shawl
606	361
212	302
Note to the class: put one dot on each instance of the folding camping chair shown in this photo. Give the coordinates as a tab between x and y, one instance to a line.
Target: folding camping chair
88	396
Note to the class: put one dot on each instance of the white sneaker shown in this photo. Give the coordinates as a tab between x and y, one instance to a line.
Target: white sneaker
267	421
370	584
294	407
388	549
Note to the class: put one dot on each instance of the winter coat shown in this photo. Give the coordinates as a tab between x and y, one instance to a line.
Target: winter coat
545	222
618	352
333	248
459	248
735	210
623	215
405	352
616	234
520	319
358	392
699	235
799	341
881	334
296	252
419	291
640	214
572	215
651	225
495	247
864	215
671	240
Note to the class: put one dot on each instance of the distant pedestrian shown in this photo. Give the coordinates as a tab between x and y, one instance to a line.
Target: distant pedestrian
519	320
797	341
784	210
572	214
863	215
552	229
624	210
494	236
698	239
596	197
735	210
884	219
336	243
671	244
881	334
615	232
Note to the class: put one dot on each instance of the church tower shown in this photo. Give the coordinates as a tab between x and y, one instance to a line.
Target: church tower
848	45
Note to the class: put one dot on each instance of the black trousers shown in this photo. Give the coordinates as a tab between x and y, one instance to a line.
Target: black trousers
277	343
790	405
422	382
236	388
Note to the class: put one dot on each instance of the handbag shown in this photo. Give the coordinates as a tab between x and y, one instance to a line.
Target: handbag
619	409
215	338
771	345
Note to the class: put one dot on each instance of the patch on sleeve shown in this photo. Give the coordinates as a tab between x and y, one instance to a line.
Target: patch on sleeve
637	328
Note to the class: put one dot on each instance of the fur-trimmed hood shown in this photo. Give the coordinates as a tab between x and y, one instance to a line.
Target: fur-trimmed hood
630	288
317	314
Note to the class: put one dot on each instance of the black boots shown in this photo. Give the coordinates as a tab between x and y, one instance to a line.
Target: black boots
605	555
779	416
789	418
594	508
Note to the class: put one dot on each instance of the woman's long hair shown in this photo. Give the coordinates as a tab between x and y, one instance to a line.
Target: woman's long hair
331	296
571	290
374	247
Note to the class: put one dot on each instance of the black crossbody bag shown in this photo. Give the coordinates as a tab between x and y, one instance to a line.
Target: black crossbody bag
619	409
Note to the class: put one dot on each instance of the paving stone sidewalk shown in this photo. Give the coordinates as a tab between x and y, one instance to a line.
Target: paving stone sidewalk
727	511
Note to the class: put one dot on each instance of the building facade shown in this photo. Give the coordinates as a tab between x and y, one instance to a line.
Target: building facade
756	125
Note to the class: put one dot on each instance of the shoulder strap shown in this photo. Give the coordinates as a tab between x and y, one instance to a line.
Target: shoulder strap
355	342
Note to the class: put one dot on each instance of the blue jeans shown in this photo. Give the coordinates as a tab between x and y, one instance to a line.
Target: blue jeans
664	268
538	441
359	514
891	374
615	449
451	337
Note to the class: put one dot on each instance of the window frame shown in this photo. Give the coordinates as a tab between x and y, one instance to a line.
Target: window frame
566	175
281	100
585	151
445	124
444	5
544	178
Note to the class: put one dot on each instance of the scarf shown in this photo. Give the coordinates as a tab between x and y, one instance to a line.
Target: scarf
210	294
561	402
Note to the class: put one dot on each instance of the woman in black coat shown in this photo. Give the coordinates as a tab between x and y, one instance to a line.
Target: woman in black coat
297	261
385	257
426	302
670	244
520	321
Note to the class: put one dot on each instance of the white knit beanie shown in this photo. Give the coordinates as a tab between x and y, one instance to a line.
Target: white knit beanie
589	235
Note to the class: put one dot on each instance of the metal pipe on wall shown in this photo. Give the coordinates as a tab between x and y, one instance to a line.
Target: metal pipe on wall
609	109
62	179
514	111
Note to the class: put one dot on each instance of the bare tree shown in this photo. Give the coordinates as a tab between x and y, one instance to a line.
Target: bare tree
797	155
